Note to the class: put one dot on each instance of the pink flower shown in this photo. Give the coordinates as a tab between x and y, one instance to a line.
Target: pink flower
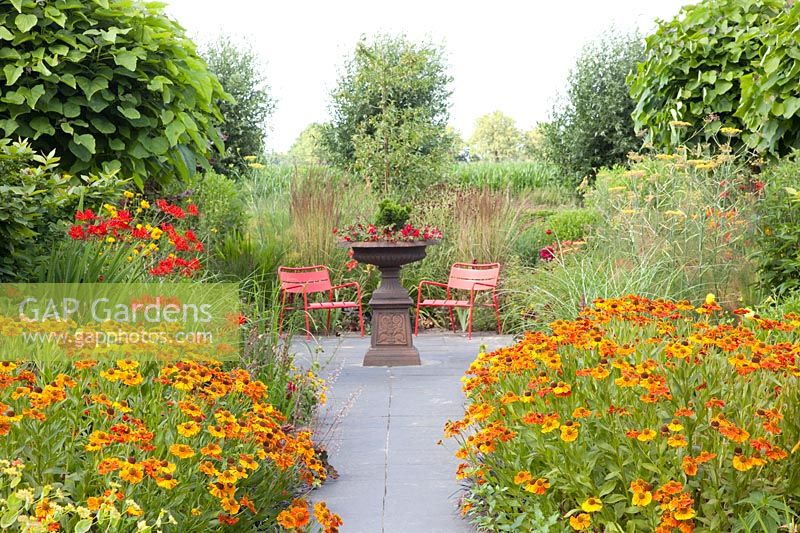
547	253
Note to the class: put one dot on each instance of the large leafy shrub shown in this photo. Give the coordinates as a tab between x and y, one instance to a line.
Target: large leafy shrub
779	227
723	63
112	84
390	112
244	127
35	196
591	126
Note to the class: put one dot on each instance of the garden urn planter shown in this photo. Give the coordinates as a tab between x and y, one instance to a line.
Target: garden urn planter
391	343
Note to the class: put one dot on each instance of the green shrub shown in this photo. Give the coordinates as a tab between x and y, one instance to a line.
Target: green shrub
222	209
592	127
244	126
392	215
35	197
565	225
572	224
116	83
779	231
722	63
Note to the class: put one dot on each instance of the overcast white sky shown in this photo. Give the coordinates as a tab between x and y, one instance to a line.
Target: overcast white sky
503	54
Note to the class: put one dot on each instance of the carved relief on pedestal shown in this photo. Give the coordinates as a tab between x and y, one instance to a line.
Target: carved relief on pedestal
391	330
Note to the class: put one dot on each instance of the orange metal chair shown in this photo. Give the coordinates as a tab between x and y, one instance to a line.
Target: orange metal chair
470	277
311	280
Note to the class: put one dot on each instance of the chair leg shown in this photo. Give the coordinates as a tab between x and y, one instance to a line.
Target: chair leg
452	319
360	318
328	323
497	313
416	322
281	315
308	325
469	325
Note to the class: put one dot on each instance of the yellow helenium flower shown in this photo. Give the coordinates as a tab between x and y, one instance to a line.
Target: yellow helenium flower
569	432
642	499
647	434
592	505
522	477
189	429
580	522
181	451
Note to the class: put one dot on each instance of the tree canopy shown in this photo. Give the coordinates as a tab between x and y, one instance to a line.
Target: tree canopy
496	137
591	126
389	114
244	126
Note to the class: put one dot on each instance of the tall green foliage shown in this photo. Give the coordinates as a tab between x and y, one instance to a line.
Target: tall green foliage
723	63
116	83
778	253
244	128
390	113
591	126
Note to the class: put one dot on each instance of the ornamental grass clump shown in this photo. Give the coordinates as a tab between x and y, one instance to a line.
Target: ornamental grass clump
639	415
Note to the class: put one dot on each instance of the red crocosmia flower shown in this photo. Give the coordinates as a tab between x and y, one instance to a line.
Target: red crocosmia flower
190	235
77	233
242	320
170	209
198	246
100	229
547	253
140	233
192	209
86	214
351	264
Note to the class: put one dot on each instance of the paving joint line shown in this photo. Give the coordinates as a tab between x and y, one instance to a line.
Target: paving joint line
386	457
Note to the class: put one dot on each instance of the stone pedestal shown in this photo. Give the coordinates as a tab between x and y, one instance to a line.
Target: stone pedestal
392	342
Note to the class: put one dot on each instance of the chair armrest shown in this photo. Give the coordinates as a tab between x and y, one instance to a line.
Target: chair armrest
434	283
349	284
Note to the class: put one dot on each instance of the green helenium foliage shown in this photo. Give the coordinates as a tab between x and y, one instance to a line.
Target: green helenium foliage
722	63
110	84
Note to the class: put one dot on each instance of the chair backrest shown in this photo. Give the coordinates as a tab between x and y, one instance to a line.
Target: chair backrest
465	275
312	279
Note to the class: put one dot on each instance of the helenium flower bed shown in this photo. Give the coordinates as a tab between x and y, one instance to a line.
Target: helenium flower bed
639	415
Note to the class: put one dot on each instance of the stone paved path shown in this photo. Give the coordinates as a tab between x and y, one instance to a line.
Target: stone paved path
393	477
